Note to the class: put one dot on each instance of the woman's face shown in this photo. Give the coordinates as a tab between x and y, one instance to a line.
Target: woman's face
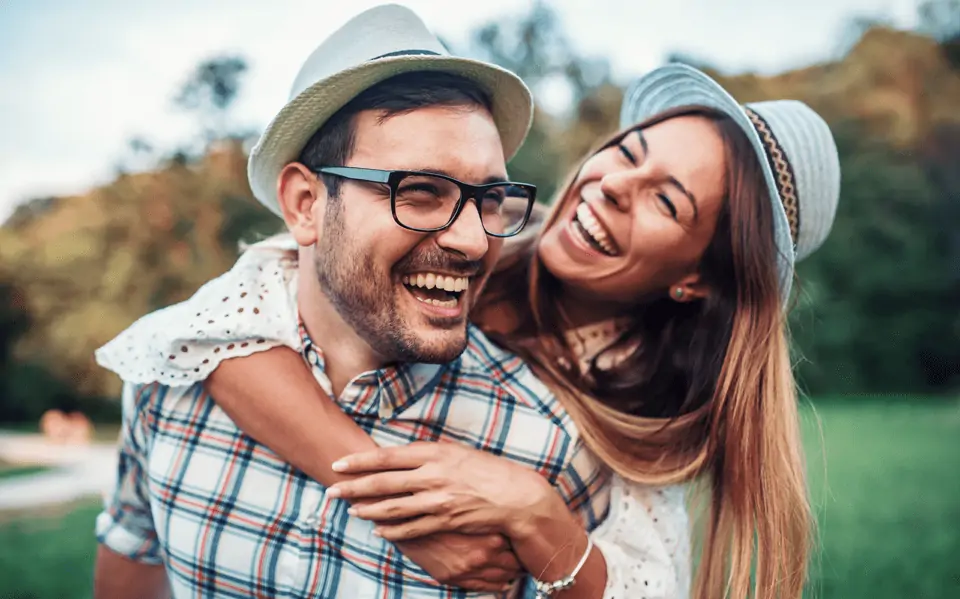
640	213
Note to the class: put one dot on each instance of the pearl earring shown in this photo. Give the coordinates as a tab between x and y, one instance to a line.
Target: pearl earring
678	293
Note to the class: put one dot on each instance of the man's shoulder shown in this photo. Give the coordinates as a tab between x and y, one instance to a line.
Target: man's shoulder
157	399
155	392
510	373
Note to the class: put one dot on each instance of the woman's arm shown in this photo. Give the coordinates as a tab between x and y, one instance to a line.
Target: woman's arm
273	397
641	549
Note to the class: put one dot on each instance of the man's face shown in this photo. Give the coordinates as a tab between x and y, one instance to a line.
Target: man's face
379	275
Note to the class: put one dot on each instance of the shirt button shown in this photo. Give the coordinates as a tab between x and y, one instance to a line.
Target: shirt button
312	521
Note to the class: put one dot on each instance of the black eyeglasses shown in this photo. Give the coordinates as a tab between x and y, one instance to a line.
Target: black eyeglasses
428	202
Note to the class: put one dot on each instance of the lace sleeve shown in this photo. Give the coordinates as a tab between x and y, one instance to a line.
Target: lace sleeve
250	308
645	541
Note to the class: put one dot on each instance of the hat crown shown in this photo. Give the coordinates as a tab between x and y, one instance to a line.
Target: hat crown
810	152
379	31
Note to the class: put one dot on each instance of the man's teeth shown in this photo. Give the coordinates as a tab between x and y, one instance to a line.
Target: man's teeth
434	281
450	303
594	229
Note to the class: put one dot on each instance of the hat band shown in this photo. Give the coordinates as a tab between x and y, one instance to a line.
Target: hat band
785	178
407	53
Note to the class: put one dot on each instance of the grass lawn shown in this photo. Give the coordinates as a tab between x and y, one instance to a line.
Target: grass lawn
887	497
48	554
8	470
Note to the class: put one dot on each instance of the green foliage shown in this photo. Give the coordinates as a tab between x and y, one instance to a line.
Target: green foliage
877	311
210	92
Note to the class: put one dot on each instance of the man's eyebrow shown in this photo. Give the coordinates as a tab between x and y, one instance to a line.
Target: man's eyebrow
670	178
440	171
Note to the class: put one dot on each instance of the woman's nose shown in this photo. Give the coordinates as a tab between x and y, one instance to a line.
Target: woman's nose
617	188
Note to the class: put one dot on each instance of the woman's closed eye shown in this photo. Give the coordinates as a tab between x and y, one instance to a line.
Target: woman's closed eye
662	197
627	153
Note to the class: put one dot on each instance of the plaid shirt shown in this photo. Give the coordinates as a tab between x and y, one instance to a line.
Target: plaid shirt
228	518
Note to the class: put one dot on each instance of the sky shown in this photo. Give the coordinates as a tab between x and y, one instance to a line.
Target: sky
78	80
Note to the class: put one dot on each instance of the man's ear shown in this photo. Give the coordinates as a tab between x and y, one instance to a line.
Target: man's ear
302	198
689	288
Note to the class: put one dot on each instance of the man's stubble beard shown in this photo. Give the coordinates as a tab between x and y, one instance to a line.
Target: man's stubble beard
365	299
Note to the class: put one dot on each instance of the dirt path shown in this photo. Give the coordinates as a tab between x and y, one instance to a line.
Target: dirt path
77	471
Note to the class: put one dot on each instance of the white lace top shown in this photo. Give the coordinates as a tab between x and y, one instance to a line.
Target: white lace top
645	539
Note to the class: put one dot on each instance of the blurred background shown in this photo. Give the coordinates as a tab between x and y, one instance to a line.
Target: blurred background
123	188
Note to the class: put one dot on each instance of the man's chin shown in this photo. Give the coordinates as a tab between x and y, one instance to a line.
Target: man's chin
438	346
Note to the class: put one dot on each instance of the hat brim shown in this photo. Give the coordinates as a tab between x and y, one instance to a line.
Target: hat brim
677	86
288	132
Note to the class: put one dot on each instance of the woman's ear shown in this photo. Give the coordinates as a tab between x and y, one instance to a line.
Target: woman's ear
301	196
689	288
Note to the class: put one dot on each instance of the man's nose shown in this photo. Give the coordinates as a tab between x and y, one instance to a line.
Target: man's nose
466	236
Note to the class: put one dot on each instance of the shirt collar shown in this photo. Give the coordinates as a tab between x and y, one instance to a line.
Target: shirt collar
384	392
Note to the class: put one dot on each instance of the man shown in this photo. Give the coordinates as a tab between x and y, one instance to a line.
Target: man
388	167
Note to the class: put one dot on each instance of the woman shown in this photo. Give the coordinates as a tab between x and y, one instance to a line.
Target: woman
652	304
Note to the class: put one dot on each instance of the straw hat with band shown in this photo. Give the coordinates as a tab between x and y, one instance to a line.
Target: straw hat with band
373	46
796	150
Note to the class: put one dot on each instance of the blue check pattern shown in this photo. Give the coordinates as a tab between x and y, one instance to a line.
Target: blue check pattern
228	518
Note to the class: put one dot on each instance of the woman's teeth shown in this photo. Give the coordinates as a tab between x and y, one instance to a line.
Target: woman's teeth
434	283
594	231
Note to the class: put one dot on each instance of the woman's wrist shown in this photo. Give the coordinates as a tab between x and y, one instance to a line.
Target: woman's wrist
544	509
554	554
547	538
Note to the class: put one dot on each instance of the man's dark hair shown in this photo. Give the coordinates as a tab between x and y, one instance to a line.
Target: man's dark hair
333	143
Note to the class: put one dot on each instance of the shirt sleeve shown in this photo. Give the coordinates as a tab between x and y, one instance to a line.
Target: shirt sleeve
645	541
581	486
125	526
250	308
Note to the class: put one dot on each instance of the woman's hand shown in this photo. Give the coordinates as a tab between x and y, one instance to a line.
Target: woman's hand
418	489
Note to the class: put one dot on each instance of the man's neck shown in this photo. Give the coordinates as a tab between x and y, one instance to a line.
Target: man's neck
345	353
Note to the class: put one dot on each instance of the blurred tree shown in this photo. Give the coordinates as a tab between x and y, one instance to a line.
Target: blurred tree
28	211
856	27
26	389
535	46
691	60
210	92
877	311
14	322
941	19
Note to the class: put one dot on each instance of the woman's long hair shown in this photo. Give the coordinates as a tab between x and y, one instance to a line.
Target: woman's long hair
707	394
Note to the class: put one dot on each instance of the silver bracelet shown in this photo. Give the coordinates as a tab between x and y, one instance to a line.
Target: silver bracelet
547	589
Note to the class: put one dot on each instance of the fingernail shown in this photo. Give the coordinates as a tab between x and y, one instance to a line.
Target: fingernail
352	511
339	466
376	532
333	491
